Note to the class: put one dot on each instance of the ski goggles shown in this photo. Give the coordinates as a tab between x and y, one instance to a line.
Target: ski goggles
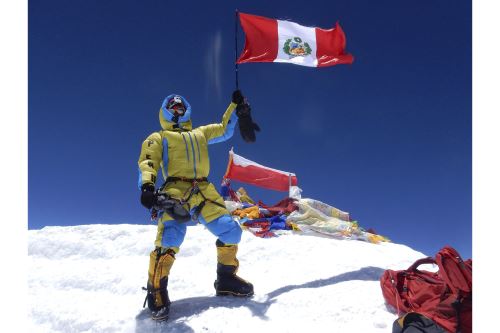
176	100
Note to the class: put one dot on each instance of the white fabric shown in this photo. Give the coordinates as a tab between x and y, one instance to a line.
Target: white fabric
295	192
326	209
315	216
231	206
290	30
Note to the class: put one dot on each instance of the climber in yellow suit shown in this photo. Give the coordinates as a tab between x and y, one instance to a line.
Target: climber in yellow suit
181	153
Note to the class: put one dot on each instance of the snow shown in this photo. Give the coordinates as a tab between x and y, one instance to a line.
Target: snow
88	278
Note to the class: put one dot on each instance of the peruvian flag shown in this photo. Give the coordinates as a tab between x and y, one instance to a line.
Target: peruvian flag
246	171
270	40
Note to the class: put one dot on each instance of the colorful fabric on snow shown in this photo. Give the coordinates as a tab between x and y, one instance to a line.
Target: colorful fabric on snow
227	192
327	209
310	220
285	206
308	216
252	212
263	227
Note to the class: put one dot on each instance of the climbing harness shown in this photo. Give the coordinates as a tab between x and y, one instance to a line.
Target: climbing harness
178	204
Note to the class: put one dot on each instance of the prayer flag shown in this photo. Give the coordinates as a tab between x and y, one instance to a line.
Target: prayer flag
246	171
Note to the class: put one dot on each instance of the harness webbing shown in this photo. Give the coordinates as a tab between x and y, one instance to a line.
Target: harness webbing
194	189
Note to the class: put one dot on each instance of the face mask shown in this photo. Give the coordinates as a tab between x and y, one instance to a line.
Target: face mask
176	107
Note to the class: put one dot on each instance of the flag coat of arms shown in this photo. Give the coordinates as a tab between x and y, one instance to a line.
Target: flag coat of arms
250	172
271	40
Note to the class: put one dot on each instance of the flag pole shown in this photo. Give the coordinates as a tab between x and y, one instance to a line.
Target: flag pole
289	183
236	15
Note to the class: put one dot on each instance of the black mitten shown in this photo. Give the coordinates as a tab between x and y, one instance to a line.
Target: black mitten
148	195
245	122
237	97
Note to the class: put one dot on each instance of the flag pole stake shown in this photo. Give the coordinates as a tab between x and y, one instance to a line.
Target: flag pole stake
236	14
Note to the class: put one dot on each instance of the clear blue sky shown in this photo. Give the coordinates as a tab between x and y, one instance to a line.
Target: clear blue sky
387	138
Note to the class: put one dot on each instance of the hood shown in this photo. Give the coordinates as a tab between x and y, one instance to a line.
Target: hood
166	117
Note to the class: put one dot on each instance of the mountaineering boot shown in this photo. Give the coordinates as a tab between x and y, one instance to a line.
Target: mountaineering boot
159	311
228	283
160	262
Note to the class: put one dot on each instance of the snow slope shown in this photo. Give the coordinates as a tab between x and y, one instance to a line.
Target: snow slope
88	279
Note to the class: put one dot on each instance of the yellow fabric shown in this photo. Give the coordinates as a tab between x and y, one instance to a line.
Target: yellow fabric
150	158
169	126
226	255
187	150
185	153
159	234
243	196
373	238
250	212
180	190
401	321
159	268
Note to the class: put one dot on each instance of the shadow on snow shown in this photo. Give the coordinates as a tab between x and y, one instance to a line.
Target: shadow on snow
182	310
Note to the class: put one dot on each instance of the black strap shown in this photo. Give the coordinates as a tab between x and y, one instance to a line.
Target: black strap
457	305
182	179
146	299
209	200
196	190
414	322
187	180
193	190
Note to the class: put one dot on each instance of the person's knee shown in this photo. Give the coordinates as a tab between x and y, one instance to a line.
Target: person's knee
233	236
173	234
226	229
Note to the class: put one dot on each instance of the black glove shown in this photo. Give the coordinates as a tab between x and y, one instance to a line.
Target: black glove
237	97
245	122
148	198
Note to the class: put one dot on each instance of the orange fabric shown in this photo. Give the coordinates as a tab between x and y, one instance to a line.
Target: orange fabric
250	212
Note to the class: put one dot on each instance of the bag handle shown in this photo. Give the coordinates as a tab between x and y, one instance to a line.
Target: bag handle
414	269
428	260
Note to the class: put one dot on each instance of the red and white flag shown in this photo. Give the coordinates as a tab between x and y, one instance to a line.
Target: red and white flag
249	172
270	40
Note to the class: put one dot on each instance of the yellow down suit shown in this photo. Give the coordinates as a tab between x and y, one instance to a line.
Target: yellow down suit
182	152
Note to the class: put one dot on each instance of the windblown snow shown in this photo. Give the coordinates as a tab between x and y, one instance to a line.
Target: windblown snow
88	279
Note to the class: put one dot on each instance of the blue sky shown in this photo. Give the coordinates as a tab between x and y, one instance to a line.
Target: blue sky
387	138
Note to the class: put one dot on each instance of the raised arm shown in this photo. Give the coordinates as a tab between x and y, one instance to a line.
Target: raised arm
224	130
